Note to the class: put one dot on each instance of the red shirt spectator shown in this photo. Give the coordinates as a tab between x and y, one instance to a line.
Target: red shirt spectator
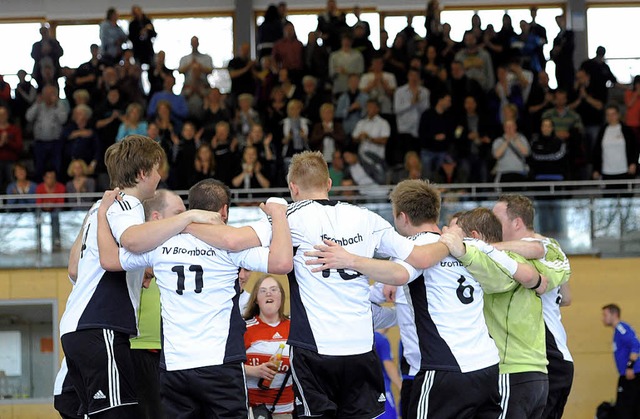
287	52
50	185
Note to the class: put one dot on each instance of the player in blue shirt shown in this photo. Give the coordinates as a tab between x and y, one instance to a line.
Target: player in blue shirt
625	352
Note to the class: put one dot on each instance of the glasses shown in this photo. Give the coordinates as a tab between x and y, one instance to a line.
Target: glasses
272	290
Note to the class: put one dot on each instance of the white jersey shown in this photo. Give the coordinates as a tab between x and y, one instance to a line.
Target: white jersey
199	293
330	310
243	301
406	324
556	336
448	308
101	299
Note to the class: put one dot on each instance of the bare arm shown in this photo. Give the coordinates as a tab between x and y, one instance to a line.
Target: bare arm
145	237
281	248
565	291
333	256
392	373
261	371
224	236
427	255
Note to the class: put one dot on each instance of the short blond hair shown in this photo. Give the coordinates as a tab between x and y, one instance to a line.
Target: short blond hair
308	170
418	199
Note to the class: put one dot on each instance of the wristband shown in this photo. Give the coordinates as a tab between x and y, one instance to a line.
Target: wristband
537	285
630	364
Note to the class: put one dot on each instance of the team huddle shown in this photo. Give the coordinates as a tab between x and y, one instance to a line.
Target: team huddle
478	304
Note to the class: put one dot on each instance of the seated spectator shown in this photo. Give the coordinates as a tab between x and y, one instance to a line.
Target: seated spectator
267	329
336	169
372	134
615	154
132	123
511	151
328	134
80	139
10	146
179	109
225	148
251	175
312	99
352	105
266	150
473	151
436	132
449	172
50	185
204	165
411	169
21	185
78	172
548	154
214	112
245	117
184	153
295	131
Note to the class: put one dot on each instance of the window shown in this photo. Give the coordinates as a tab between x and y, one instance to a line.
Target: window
28	348
76	40
622	55
17	53
394	24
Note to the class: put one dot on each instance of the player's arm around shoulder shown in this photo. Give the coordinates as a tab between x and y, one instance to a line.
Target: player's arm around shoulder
281	247
529	249
222	236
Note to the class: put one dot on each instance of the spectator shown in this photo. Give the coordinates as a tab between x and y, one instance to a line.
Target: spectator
87	75
287	85
166	129
352	105
130	74
80	139
436	133
527	45
287	53
179	109
615	153
215	111
111	37
336	169
48	116
245	117
5	92
372	133
389	372
360	22
511	151
10	146
312	99
625	354
132	122
328	134
398	60
473	151
204	165
266	79
263	143
295	131
108	117
241	69
183	156
110	80
269	31
25	94
411	169
276	113
477	62
548	154
50	185
540	100
46	53
251	175
316	59
21	185
196	67
410	102
589	104
355	173
599	71
562	54
541	33
79	182
332	24
267	329
224	149
141	34
462	86
379	85
504	93
632	103
361	42
344	62
157	72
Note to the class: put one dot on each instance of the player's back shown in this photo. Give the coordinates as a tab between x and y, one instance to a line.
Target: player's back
330	310
101	299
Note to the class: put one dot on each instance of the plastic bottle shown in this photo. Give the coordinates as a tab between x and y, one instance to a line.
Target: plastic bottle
277	360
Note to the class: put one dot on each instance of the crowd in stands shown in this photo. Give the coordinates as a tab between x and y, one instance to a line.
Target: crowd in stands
474	111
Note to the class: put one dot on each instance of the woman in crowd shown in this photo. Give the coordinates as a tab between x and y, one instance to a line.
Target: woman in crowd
267	329
132	123
295	131
328	134
251	176
352	104
80	182
204	165
80	139
511	151
21	186
548	154
615	153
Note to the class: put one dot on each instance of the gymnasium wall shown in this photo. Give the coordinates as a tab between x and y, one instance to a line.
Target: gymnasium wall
594	283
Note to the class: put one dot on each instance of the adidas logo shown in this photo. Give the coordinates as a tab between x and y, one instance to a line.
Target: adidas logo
99	395
298	402
382	398
276	336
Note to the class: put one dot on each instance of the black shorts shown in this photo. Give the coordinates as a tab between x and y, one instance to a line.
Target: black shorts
523	395
450	394
147	365
560	382
217	391
349	386
405	397
67	404
100	369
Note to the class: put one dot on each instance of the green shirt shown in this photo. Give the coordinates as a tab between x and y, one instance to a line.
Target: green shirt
554	265
513	314
148	319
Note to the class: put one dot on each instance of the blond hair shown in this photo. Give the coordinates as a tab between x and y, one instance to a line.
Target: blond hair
308	170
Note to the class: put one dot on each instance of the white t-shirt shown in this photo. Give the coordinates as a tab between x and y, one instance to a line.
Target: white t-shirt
614	151
100	299
199	293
